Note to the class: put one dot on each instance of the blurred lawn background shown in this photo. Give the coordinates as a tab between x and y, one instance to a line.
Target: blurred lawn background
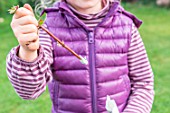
155	32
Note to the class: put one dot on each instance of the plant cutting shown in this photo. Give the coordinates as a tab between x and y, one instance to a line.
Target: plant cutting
61	43
111	106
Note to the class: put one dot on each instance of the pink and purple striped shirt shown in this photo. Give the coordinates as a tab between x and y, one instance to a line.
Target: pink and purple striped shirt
30	78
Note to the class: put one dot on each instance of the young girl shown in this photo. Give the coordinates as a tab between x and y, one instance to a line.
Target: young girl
100	30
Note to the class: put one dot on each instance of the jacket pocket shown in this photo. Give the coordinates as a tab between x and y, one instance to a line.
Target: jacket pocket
55	96
126	80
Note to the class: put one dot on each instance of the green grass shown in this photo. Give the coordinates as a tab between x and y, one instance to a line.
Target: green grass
155	34
9	100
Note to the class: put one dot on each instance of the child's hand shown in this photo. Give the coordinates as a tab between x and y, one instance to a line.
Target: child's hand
24	26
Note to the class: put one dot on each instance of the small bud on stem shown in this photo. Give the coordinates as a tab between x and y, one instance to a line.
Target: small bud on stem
13	9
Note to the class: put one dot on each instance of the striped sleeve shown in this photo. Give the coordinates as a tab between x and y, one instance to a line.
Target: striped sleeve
29	79
141	76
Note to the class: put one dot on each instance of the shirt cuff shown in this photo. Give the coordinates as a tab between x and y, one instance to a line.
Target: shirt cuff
18	60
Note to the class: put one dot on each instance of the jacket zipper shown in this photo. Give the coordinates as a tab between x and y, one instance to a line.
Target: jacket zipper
92	71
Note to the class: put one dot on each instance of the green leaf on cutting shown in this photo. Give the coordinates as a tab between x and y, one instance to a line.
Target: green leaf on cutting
42	19
40	22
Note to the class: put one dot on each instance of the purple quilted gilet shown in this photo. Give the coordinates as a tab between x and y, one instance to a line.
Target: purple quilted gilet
79	88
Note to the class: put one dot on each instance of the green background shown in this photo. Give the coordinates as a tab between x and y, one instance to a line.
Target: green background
155	32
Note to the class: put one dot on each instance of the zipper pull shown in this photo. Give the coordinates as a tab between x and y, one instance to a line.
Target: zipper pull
91	37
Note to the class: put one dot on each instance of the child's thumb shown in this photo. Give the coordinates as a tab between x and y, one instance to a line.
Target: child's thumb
27	6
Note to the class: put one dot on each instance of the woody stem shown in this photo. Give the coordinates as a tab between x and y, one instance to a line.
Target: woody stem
60	42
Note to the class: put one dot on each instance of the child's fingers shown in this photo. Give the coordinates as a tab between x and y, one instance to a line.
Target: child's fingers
29	28
26	20
22	12
33	45
25	38
27	6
